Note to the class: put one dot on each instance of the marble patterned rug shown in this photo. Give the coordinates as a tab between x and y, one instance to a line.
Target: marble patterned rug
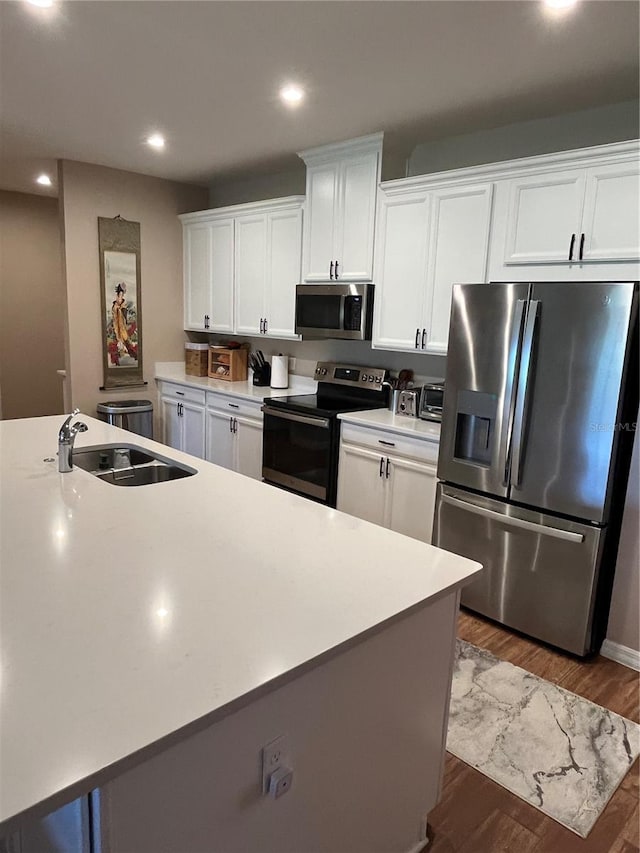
557	751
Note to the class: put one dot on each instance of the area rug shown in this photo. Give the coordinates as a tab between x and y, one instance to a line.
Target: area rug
557	751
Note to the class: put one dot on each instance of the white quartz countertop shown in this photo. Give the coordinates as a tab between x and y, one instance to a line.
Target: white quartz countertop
174	372
400	424
132	616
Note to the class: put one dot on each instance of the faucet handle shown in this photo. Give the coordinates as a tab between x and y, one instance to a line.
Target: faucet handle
79	427
65	426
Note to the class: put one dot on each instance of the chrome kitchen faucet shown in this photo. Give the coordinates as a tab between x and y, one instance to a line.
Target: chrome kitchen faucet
66	439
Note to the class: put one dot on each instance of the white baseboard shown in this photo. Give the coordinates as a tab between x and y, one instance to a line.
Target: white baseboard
621	654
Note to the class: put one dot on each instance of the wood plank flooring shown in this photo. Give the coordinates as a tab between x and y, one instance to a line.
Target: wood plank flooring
475	815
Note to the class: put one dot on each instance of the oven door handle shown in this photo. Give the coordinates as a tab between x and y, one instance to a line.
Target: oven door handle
301	419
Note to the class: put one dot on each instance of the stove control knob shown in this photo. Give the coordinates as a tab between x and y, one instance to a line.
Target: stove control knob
364	377
324	371
371	378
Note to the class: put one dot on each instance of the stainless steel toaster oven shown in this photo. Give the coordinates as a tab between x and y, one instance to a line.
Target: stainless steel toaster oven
431	401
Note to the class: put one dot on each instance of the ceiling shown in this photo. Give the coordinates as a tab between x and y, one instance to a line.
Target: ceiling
90	80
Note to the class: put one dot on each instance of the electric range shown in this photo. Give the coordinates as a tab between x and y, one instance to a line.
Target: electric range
301	432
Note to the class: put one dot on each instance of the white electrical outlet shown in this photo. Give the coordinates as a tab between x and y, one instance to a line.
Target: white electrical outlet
274	756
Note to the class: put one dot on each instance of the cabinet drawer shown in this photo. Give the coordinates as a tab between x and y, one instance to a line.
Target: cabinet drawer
391	443
182	392
234	405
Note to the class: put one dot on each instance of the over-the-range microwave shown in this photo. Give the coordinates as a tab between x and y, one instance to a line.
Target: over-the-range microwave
334	311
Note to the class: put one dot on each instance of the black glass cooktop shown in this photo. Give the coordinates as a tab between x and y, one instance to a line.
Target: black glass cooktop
327	406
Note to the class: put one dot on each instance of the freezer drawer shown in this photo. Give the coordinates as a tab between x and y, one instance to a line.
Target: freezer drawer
540	572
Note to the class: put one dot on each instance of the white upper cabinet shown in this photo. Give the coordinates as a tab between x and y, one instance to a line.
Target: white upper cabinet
241	267
545	212
250	260
208	274
427	240
197	275
342	181
576	215
611	221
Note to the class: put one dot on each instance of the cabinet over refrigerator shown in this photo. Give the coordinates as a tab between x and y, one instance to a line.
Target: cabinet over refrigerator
539	417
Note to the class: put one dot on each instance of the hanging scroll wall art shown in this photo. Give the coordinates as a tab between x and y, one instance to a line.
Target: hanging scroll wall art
119	242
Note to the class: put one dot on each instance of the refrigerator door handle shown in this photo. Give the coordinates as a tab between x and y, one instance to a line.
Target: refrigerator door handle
531	526
509	396
522	394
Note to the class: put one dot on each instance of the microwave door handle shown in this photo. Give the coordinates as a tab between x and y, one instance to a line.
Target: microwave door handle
343	300
510	392
522	395
512	521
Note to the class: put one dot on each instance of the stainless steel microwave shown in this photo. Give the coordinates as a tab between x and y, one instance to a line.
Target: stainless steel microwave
334	311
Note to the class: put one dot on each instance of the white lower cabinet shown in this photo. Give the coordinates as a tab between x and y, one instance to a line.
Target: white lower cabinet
234	434
379	481
183	422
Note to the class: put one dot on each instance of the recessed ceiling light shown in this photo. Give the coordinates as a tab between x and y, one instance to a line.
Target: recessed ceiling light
560	4
43	180
43	4
292	95
156	140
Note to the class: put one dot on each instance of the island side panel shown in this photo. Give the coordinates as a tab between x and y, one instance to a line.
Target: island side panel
367	732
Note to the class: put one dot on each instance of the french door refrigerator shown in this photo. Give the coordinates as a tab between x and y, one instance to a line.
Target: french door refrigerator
541	398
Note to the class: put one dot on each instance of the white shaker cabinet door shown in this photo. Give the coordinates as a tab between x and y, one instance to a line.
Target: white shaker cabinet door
458	250
401	271
361	483
357	210
248	437
611	221
544	217
250	261
220	439
171	423
197	275
320	229
283	271
222	275
411	496
193	426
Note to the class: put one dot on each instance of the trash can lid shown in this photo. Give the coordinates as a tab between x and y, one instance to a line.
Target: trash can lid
115	407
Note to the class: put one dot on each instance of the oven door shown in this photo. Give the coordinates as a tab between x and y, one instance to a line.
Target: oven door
298	453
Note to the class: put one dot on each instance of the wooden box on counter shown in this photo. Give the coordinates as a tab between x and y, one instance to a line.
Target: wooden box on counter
229	364
196	359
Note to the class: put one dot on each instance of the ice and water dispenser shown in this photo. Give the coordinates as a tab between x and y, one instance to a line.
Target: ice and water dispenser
475	425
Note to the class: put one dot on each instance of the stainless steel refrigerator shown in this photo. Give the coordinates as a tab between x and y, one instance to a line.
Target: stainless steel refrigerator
541	398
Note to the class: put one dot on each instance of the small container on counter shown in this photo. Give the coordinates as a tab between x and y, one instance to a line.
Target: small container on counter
228	364
196	359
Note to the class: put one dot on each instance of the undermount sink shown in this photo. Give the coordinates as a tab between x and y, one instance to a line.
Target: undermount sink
128	465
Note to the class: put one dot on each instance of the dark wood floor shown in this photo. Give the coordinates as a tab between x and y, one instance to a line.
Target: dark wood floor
475	815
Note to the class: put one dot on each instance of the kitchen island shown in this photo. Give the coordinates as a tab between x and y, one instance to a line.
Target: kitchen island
156	638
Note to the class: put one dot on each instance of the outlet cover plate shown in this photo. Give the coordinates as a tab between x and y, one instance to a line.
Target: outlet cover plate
274	755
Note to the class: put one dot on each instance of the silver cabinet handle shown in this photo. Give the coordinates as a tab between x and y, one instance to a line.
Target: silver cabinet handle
387	443
260	325
511	521
509	392
381	466
180	393
522	396
265	325
571	245
230	424
386	473
335	274
424	333
417	337
233	405
235	425
331	270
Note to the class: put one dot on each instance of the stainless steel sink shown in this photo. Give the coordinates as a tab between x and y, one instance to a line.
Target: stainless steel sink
128	465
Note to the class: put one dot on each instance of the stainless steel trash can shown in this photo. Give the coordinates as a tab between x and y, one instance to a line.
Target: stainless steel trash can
134	415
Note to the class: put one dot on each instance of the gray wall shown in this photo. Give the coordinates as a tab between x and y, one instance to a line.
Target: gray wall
611	123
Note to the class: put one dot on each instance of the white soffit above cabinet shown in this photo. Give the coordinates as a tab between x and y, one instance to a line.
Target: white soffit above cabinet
91	81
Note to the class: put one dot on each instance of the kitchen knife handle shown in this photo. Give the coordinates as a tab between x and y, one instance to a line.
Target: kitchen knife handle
335	275
381	466
417	337
580	256
331	270
386	473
